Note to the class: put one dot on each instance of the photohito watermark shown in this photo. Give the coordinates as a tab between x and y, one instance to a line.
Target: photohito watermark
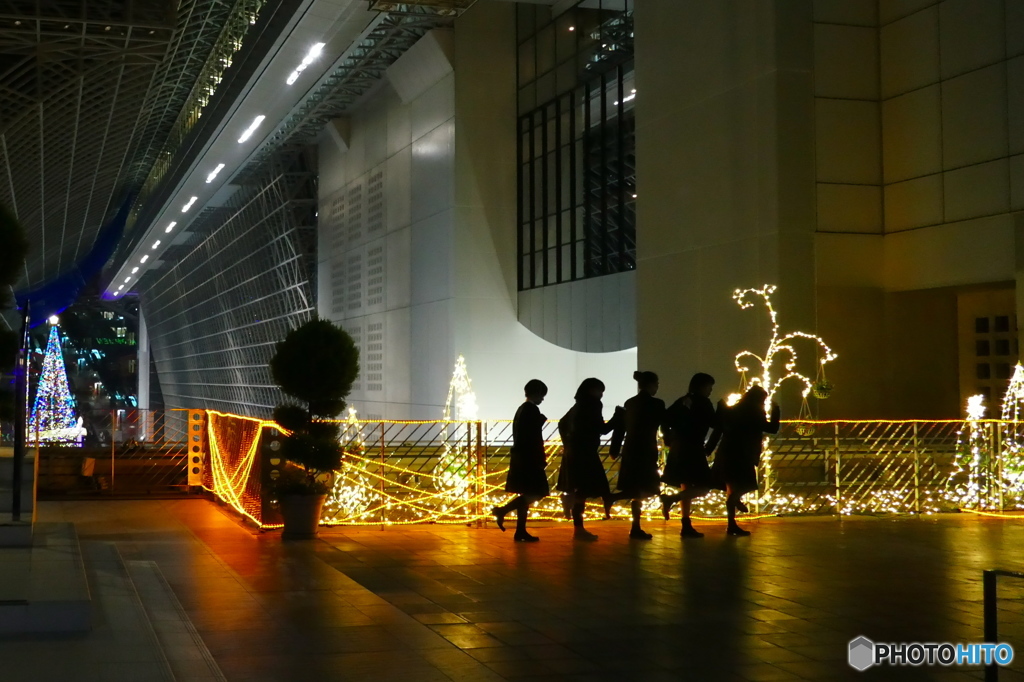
864	653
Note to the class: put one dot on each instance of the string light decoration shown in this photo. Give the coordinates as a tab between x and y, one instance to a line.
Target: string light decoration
780	348
970	481
351	495
1011	439
234	446
453	473
888	467
53	412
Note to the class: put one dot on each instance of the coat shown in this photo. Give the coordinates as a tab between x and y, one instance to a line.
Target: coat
526	471
638	472
740	451
582	472
686	431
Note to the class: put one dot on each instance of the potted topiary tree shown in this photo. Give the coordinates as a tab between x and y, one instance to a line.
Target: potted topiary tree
316	365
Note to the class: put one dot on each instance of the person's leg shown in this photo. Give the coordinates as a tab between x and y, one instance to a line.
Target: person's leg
667	501
688	531
521	514
567	504
611	499
732	503
500	512
579	532
636	532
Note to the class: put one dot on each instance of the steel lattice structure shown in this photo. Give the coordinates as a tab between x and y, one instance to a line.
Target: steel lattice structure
362	66
215	314
91	94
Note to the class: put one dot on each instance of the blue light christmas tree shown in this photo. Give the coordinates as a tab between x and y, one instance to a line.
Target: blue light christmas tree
53	413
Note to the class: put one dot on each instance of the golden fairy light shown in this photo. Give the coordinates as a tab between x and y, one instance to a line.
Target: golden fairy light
780	347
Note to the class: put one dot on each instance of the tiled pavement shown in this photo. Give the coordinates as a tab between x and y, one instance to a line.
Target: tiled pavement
466	604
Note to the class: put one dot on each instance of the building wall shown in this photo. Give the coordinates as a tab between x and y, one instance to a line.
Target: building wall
919	134
424	269
725	178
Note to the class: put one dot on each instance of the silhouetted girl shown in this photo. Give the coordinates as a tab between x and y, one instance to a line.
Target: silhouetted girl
526	474
582	474
686	427
638	472
744	426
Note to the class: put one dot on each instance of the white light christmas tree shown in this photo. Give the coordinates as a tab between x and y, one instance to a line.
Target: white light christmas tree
352	493
969	482
53	412
452	473
1012	440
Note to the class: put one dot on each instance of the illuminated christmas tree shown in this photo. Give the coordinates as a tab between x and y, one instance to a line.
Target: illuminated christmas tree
1012	441
352	492
970	482
452	473
53	413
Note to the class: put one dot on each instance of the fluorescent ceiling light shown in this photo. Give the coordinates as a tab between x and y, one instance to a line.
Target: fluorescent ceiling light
156	244
252	128
117	293
310	57
146	257
212	175
135	269
120	287
127	279
188	205
170	227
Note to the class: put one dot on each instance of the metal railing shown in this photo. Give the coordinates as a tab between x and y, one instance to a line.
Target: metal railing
121	452
991	616
399	472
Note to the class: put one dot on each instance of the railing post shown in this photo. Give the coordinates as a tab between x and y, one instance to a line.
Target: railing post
21	382
470	463
380	477
998	454
839	488
991	620
917	473
113	446
480	482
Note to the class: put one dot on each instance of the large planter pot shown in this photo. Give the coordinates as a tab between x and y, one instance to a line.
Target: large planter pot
301	514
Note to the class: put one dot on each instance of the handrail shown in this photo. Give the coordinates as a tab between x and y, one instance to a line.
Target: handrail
991	616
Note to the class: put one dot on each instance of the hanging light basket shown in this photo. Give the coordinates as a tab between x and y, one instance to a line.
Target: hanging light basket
822	389
805	429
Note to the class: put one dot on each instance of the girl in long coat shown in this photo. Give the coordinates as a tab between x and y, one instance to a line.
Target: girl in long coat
735	467
638	472
686	427
582	474
526	472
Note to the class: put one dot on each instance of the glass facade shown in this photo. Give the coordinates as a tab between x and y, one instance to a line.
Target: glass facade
577	181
